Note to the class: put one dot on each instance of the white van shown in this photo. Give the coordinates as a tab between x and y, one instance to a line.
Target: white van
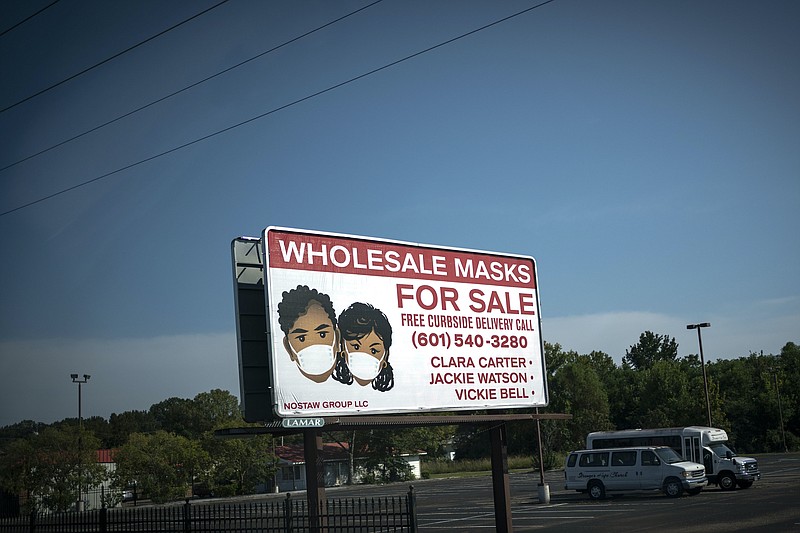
696	443
632	469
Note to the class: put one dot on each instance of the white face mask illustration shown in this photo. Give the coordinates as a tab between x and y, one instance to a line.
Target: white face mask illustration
363	365
316	359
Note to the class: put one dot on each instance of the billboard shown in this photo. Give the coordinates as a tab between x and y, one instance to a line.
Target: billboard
359	325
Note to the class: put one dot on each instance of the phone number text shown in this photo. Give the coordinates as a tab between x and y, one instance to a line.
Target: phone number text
422	339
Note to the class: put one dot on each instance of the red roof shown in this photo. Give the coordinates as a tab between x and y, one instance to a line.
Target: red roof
105	456
331	451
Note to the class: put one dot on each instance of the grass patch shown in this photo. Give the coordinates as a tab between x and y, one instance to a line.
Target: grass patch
470	467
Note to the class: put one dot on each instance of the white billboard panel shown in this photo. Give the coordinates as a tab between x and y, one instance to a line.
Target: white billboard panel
364	326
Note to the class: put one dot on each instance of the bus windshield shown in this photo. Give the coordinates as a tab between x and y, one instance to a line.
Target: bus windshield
721	450
668	455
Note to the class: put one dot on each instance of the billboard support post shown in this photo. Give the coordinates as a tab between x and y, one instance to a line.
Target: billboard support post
315	477
544	489
502	492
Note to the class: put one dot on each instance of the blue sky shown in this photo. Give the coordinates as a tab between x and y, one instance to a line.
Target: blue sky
645	153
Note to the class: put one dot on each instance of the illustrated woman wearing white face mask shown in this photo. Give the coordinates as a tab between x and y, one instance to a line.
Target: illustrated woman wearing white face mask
366	338
311	338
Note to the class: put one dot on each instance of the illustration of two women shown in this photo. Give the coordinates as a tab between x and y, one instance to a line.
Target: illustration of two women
351	348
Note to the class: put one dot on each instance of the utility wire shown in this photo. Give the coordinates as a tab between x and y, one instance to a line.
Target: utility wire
84	71
275	110
195	84
23	21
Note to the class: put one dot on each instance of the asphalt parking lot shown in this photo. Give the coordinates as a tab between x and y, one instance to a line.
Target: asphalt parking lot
465	504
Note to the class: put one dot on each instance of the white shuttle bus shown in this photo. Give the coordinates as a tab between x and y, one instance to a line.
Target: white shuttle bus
704	445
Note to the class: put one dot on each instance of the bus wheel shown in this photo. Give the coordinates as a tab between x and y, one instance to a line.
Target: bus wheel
673	487
744	484
727	481
596	490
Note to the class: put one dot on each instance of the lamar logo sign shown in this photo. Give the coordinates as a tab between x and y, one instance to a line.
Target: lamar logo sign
303	422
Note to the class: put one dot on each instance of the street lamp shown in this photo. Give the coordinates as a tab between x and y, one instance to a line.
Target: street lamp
698	327
75	379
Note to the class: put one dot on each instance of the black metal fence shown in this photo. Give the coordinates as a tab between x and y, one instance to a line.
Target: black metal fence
290	515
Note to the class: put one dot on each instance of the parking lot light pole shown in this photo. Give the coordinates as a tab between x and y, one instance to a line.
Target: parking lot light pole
774	371
75	379
698	327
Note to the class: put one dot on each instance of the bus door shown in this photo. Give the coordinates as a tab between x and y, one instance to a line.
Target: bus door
692	451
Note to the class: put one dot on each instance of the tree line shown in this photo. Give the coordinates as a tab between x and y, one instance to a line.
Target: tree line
172	447
756	398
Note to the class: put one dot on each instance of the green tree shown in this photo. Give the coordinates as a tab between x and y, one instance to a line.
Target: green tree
556	434
604	366
380	452
96	425
122	425
193	418
649	349
162	464
49	467
471	441
434	440
555	357
788	373
577	390
750	388
176	415
215	409
239	465
624	389
347	442
666	399
20	430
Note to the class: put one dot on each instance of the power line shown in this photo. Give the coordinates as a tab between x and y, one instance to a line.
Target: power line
195	84
84	71
275	110
23	21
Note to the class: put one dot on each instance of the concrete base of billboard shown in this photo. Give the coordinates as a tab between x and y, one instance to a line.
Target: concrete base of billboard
544	493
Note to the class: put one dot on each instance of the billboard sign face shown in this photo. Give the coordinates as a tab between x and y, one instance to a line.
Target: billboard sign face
359	325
